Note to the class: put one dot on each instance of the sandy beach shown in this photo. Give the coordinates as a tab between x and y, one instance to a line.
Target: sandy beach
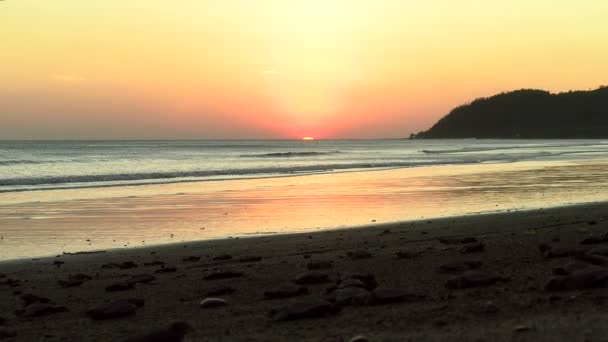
532	275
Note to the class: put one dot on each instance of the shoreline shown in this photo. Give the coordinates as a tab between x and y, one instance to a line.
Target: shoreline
406	257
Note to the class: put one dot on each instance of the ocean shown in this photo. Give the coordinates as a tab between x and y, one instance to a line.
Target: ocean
65	197
27	166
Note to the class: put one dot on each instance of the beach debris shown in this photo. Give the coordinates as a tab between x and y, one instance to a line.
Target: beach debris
174	332
219	291
592	240
285	291
590	277
166	270
474	279
312	277
460	266
359	338
191	258
40	309
382	295
217	275
359	254
7	333
116	309
305	308
475	247
250	258
320	264
212	302
552	252
456	240
407	254
223	257
74	280
123	265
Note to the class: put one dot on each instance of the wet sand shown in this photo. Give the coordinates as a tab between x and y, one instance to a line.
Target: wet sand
494	277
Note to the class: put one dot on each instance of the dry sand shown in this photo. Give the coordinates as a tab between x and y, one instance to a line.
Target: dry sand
414	299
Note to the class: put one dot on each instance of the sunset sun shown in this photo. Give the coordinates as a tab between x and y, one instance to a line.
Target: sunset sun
308	138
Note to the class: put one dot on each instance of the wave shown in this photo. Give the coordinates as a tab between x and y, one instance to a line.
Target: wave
289	154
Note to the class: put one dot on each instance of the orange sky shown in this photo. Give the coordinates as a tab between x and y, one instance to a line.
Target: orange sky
76	69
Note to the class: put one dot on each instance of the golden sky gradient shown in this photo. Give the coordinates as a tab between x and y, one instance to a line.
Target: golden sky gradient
280	68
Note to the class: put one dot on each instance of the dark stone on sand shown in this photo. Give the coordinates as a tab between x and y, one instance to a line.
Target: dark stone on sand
222	275
154	263
285	291
460	266
351	296
175	332
141	279
191	259
456	240
251	258
219	291
390	295
41	309
591	277
472	248
407	254
123	265
304	308
166	270
116	309
358	255
320	264
7	333
552	252
119	286
223	257
74	280
592	240
367	279
28	299
312	277
474	279
212	302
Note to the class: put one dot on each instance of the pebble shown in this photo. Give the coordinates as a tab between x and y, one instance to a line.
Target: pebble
312	277
358	255
116	309
460	266
212	302
472	248
305	308
320	264
174	332
474	279
217	275
219	291
285	291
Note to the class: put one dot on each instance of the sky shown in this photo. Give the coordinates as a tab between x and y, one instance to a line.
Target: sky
280	69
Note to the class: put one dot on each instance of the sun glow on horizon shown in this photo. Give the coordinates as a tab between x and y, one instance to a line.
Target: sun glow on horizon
308	138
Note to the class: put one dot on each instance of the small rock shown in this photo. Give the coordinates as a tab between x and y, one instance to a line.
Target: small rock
41	309
460	266
217	275
285	291
320	264
473	279
116	309
312	277
175	332
166	270
219	291
212	302
191	259
305	308
358	255
472	248
252	258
